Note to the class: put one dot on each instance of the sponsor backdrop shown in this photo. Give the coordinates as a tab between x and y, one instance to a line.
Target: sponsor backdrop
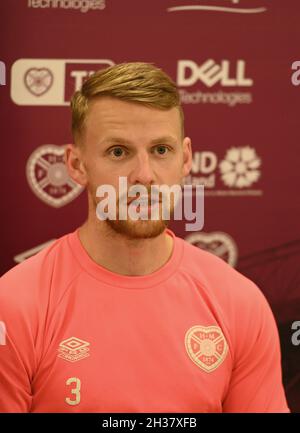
237	65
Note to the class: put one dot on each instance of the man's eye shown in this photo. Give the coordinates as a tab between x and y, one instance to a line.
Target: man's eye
162	150
117	152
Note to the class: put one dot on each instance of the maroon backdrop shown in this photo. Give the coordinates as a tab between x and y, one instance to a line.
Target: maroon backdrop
235	63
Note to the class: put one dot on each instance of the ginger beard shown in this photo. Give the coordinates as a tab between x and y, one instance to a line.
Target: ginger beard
141	228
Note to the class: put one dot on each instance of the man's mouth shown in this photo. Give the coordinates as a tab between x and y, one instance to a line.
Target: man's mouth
144	201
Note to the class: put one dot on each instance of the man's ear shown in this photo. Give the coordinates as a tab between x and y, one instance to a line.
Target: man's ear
75	164
187	156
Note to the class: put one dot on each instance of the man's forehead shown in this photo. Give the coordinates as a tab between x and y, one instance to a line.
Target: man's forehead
117	110
117	120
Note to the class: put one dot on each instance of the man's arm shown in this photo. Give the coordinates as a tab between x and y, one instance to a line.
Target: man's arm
16	349
256	381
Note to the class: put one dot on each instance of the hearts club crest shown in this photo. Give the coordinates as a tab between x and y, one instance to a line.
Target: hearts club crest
48	177
38	80
206	346
218	243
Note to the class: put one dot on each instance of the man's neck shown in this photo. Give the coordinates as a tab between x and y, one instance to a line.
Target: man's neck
124	256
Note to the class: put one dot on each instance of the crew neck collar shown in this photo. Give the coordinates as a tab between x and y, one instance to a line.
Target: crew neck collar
126	281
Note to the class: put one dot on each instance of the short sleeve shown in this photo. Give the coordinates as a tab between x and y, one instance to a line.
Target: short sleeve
256	380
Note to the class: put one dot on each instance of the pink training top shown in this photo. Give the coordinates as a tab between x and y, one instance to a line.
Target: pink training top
194	336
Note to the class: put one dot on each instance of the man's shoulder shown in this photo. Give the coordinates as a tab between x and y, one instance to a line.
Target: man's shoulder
31	279
241	303
217	276
39	261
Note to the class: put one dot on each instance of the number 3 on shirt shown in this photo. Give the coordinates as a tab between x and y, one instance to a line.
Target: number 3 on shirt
75	391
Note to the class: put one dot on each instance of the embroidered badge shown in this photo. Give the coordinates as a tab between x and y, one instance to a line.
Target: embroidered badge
73	349
206	346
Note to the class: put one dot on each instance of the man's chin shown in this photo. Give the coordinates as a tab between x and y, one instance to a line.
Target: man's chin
141	229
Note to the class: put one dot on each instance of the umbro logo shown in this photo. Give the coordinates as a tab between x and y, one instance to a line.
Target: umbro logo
73	349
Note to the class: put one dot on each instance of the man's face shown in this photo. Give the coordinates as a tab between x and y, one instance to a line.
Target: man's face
143	144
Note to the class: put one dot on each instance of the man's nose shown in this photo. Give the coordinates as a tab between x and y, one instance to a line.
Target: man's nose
141	171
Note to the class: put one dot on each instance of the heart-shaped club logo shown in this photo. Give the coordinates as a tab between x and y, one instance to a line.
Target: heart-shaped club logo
48	177
218	243
38	80
206	346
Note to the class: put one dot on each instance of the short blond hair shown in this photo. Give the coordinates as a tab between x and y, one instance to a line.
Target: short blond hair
138	82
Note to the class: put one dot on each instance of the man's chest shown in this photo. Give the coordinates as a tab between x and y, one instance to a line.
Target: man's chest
119	361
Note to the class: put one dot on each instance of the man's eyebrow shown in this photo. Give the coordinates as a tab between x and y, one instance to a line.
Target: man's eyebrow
115	140
160	140
165	139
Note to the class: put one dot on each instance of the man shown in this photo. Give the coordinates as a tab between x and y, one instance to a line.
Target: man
121	315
